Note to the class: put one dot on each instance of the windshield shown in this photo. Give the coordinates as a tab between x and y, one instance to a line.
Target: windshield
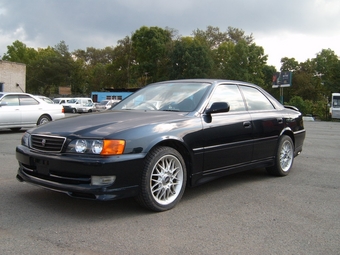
72	101
336	101
175	96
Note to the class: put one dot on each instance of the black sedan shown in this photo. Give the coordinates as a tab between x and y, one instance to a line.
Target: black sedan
162	138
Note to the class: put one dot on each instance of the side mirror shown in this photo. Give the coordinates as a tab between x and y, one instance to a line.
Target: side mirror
3	104
218	107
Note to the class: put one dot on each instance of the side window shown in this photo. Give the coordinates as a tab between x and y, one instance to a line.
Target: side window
11	100
27	100
230	94
255	100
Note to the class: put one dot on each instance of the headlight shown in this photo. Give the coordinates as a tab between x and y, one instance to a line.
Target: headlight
81	146
97	146
26	139
102	147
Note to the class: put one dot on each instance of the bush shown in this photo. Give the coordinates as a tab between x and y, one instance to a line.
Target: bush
318	108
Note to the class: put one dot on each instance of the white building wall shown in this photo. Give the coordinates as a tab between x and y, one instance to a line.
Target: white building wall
12	77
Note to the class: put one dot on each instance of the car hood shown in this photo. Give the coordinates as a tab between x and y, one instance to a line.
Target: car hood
109	124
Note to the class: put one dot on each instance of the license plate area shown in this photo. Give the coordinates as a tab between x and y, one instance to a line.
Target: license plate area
42	166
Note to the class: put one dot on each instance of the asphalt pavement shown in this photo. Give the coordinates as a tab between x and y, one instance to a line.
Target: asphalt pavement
246	213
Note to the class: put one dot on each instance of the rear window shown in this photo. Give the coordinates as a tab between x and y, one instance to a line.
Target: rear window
255	100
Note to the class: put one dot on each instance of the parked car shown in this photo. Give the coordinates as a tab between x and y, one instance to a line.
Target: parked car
164	137
46	99
64	102
79	104
105	104
22	110
61	100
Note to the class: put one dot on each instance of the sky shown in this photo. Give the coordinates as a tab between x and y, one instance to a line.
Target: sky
297	29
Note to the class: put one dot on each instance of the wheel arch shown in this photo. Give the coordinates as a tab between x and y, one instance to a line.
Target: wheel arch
288	132
182	149
44	114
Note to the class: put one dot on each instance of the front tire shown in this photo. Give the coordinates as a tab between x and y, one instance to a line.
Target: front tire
164	179
284	157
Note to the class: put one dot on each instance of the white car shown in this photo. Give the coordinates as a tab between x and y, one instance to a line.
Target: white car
61	100
46	99
105	104
77	104
22	110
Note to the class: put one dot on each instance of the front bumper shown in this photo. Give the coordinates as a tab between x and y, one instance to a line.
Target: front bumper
71	174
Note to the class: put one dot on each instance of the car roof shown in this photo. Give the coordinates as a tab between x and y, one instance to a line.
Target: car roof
213	81
15	93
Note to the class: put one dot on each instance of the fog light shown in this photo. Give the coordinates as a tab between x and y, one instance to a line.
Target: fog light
102	180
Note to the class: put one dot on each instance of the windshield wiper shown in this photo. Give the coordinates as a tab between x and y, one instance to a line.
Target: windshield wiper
170	110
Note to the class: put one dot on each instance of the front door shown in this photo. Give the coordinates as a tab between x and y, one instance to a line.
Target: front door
228	135
10	111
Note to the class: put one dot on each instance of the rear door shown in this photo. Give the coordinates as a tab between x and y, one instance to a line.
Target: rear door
267	122
30	109
228	135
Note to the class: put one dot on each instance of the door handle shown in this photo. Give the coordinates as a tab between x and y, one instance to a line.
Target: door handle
247	124
279	120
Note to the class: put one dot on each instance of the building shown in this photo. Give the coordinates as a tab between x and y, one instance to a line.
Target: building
12	77
112	94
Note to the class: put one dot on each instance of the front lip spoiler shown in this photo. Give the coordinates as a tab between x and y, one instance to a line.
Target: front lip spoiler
102	193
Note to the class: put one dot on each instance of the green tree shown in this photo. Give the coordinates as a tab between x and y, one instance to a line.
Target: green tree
268	72
289	64
54	67
119	71
151	47
213	37
41	72
20	53
327	68
93	56
240	61
190	59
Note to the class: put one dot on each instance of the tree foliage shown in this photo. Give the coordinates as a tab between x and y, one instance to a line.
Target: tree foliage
20	53
190	59
151	46
154	54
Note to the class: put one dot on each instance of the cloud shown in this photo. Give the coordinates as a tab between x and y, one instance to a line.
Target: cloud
280	27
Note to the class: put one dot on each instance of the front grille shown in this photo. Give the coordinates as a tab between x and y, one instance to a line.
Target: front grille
47	143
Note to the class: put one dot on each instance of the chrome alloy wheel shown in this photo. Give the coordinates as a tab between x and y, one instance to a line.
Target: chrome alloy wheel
286	156
166	179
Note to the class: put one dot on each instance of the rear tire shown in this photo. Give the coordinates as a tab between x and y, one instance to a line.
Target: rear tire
43	119
163	180
284	157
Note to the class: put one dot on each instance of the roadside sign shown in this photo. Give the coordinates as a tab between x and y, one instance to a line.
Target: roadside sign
282	79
